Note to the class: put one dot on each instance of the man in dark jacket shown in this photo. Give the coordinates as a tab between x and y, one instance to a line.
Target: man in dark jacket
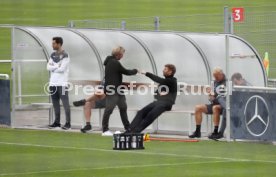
213	107
165	96
113	80
237	80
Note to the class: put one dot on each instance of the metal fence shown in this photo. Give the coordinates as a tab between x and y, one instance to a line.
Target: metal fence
258	27
192	23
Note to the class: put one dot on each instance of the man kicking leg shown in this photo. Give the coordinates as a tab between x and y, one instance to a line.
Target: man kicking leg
96	101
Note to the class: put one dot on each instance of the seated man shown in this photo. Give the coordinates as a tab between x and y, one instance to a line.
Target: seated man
236	79
95	101
213	107
165	98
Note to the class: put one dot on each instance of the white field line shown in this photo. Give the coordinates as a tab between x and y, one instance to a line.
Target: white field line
140	152
114	167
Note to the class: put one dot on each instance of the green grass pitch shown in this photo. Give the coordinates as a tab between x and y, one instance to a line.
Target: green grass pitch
50	153
34	153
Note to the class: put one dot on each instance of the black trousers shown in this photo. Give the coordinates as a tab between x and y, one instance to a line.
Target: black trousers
111	102
222	102
60	93
147	115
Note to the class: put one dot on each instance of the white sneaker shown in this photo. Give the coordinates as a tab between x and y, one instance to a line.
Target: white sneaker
117	132
107	133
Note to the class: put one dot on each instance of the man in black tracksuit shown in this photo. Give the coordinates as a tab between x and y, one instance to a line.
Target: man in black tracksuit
113	79
165	99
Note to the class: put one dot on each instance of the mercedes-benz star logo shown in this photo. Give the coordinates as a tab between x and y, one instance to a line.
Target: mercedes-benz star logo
256	115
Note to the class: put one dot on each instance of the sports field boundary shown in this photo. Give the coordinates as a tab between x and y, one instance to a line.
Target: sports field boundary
138	152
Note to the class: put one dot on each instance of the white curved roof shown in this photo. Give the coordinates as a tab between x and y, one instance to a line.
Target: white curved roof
195	55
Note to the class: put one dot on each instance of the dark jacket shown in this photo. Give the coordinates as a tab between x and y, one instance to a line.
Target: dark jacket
170	82
114	72
219	85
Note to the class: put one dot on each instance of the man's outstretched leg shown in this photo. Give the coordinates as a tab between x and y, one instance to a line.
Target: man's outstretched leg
154	113
92	98
139	117
94	101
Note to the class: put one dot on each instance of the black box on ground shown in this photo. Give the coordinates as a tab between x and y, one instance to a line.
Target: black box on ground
128	141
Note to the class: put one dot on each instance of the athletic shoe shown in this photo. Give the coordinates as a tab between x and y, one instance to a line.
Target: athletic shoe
79	103
118	132
67	126
107	133
195	135
128	130
86	128
220	135
54	125
215	136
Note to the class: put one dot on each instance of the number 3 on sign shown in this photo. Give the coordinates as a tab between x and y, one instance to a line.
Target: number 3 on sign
238	14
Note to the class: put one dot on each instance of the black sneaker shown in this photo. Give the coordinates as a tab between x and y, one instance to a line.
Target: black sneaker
54	125
195	135
67	126
79	103
127	130
215	136
86	128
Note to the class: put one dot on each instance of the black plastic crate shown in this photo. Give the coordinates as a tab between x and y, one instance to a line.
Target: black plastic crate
128	141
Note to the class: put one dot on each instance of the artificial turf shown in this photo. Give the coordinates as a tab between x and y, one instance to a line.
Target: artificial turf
51	153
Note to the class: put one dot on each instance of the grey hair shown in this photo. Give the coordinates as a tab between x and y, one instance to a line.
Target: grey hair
218	70
118	50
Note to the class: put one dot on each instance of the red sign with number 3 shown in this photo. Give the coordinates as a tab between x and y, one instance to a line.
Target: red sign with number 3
238	14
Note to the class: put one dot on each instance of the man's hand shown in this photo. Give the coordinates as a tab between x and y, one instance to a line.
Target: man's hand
208	89
163	93
55	64
211	97
142	72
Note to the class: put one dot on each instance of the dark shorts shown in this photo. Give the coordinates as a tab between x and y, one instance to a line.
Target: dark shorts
210	108
100	104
